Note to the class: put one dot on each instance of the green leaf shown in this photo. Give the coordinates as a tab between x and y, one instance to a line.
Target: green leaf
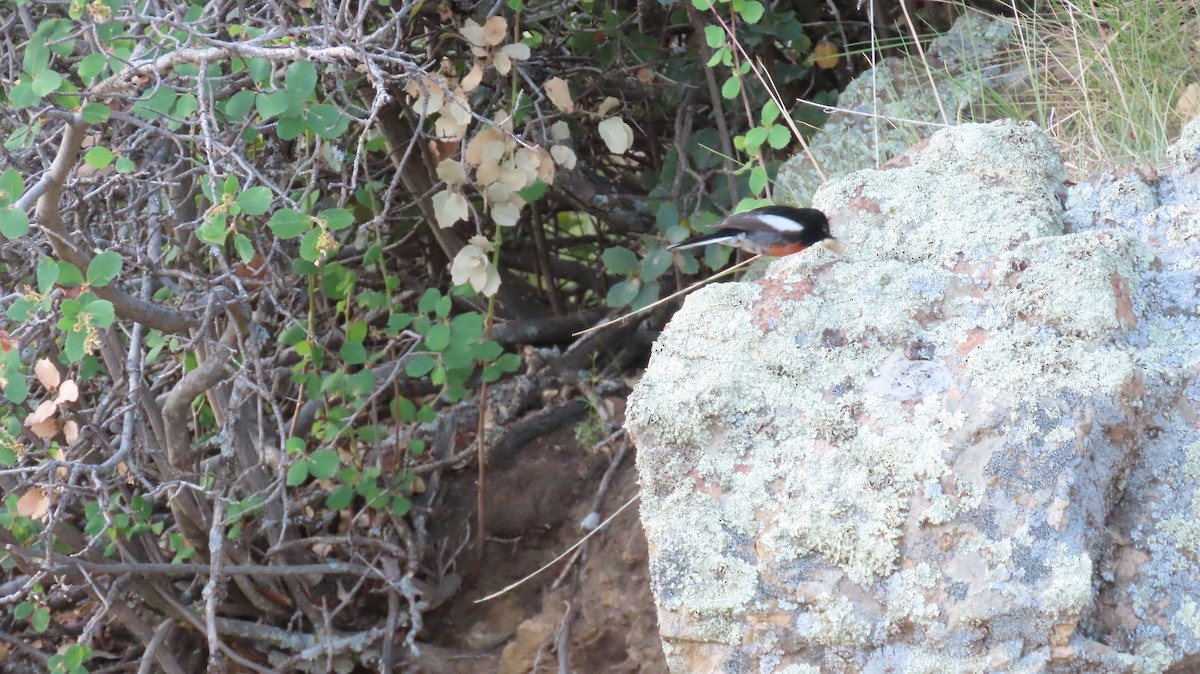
340	497
336	218
428	301
99	156
239	105
731	88
273	104
404	410
290	127
714	36
47	274
438	337
657	261
301	80
623	293
104	268
325	120
755	138
91	66
770	112
101	313
468	327
419	365
509	362
753	11
443	307
14	223
308	246
323	463
37	56
12	186
256	200
95	113
619	260
779	137
353	353
69	275
156	105
46	82
758	180
125	165
667	216
288	224
297	473
702	5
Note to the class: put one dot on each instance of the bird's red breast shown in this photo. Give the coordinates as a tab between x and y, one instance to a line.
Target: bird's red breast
782	249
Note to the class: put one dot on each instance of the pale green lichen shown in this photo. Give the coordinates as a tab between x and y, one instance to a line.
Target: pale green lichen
1070	588
906	603
835	621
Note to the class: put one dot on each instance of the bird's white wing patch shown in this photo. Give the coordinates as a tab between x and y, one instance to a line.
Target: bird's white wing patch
780	223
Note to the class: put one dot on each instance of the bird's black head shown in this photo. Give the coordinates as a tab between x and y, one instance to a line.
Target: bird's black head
811	225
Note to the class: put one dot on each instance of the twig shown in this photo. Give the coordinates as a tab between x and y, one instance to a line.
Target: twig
559	558
677	293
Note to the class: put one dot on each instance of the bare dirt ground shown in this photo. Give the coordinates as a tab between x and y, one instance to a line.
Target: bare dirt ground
592	614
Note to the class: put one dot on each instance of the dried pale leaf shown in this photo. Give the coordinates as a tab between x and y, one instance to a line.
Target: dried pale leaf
517	178
559	94
502	63
67	393
506	214
451	172
563	156
545	167
457	110
471	265
34	504
43	412
449	207
428	95
617	135
607	105
473	32
825	55
495	150
70	432
487	173
1188	105
47	373
474	153
495	30
526	158
46	428
473	78
645	75
505	121
498	192
560	130
447	129
517	51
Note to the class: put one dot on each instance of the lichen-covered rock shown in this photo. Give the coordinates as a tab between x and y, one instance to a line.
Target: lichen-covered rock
969	444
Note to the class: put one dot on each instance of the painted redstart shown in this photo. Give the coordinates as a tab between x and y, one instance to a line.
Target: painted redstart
771	230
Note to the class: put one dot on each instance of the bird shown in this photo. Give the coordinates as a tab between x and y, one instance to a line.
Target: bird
774	231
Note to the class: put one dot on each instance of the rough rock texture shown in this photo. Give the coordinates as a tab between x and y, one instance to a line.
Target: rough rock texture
967	445
877	110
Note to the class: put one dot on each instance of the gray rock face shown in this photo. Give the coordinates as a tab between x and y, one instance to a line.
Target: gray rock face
969	444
